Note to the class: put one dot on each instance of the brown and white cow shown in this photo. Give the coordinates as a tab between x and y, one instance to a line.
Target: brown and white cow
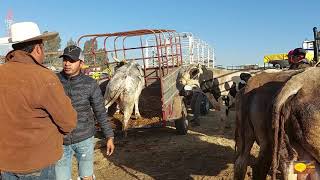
220	86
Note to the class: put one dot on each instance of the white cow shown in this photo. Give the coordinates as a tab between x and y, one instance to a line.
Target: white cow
125	88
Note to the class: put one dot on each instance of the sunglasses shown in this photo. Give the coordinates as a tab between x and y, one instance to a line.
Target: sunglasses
69	60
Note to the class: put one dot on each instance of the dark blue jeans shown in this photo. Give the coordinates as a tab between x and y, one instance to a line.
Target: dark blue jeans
196	101
47	173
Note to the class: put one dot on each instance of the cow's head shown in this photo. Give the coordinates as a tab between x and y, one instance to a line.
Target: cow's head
119	62
190	76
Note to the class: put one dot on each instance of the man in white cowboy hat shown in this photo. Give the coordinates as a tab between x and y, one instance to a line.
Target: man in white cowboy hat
35	111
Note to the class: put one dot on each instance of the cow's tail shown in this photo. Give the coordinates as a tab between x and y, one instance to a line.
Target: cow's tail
111	100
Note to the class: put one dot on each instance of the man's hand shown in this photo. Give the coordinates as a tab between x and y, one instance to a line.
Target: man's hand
110	146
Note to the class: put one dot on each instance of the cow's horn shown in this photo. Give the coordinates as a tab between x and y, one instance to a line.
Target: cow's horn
116	59
124	61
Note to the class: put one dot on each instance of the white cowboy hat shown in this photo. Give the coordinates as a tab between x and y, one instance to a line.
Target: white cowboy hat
25	32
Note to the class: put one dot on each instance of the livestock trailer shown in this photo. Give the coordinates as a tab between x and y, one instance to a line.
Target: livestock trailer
159	101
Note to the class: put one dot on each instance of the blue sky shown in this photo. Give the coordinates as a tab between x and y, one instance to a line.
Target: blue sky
241	31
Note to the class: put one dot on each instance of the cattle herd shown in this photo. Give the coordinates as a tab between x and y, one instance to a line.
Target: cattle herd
277	109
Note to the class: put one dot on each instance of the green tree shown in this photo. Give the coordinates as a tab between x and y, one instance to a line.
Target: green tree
87	49
71	42
88	45
100	57
52	47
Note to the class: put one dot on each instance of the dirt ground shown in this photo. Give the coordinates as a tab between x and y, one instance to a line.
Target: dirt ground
207	152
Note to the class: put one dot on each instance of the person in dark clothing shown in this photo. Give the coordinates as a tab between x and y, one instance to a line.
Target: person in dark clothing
87	100
198	98
197	103
297	59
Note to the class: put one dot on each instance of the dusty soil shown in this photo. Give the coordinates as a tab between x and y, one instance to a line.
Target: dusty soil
207	152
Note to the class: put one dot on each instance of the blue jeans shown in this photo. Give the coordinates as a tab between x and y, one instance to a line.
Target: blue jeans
83	151
47	173
196	101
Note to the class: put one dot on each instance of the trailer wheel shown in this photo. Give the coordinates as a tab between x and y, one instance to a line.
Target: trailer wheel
182	124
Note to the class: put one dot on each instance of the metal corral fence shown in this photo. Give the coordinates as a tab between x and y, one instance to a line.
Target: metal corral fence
219	66
245	67
194	50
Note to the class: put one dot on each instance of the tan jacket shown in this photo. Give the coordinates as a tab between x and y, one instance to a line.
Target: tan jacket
34	111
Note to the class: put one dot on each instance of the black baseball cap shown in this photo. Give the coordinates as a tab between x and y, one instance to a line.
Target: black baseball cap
73	52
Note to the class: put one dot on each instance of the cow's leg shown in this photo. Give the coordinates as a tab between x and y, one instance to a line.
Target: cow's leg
223	117
244	144
127	111
136	109
216	105
136	99
222	109
263	134
228	120
262	166
244	137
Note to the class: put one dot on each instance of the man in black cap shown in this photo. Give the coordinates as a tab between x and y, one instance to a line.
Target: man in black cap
87	100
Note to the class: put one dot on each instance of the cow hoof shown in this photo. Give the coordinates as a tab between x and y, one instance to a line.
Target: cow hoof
136	116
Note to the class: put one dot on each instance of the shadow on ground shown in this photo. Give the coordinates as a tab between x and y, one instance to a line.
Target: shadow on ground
161	154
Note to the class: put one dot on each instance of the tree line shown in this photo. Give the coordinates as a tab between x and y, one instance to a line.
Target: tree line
54	50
